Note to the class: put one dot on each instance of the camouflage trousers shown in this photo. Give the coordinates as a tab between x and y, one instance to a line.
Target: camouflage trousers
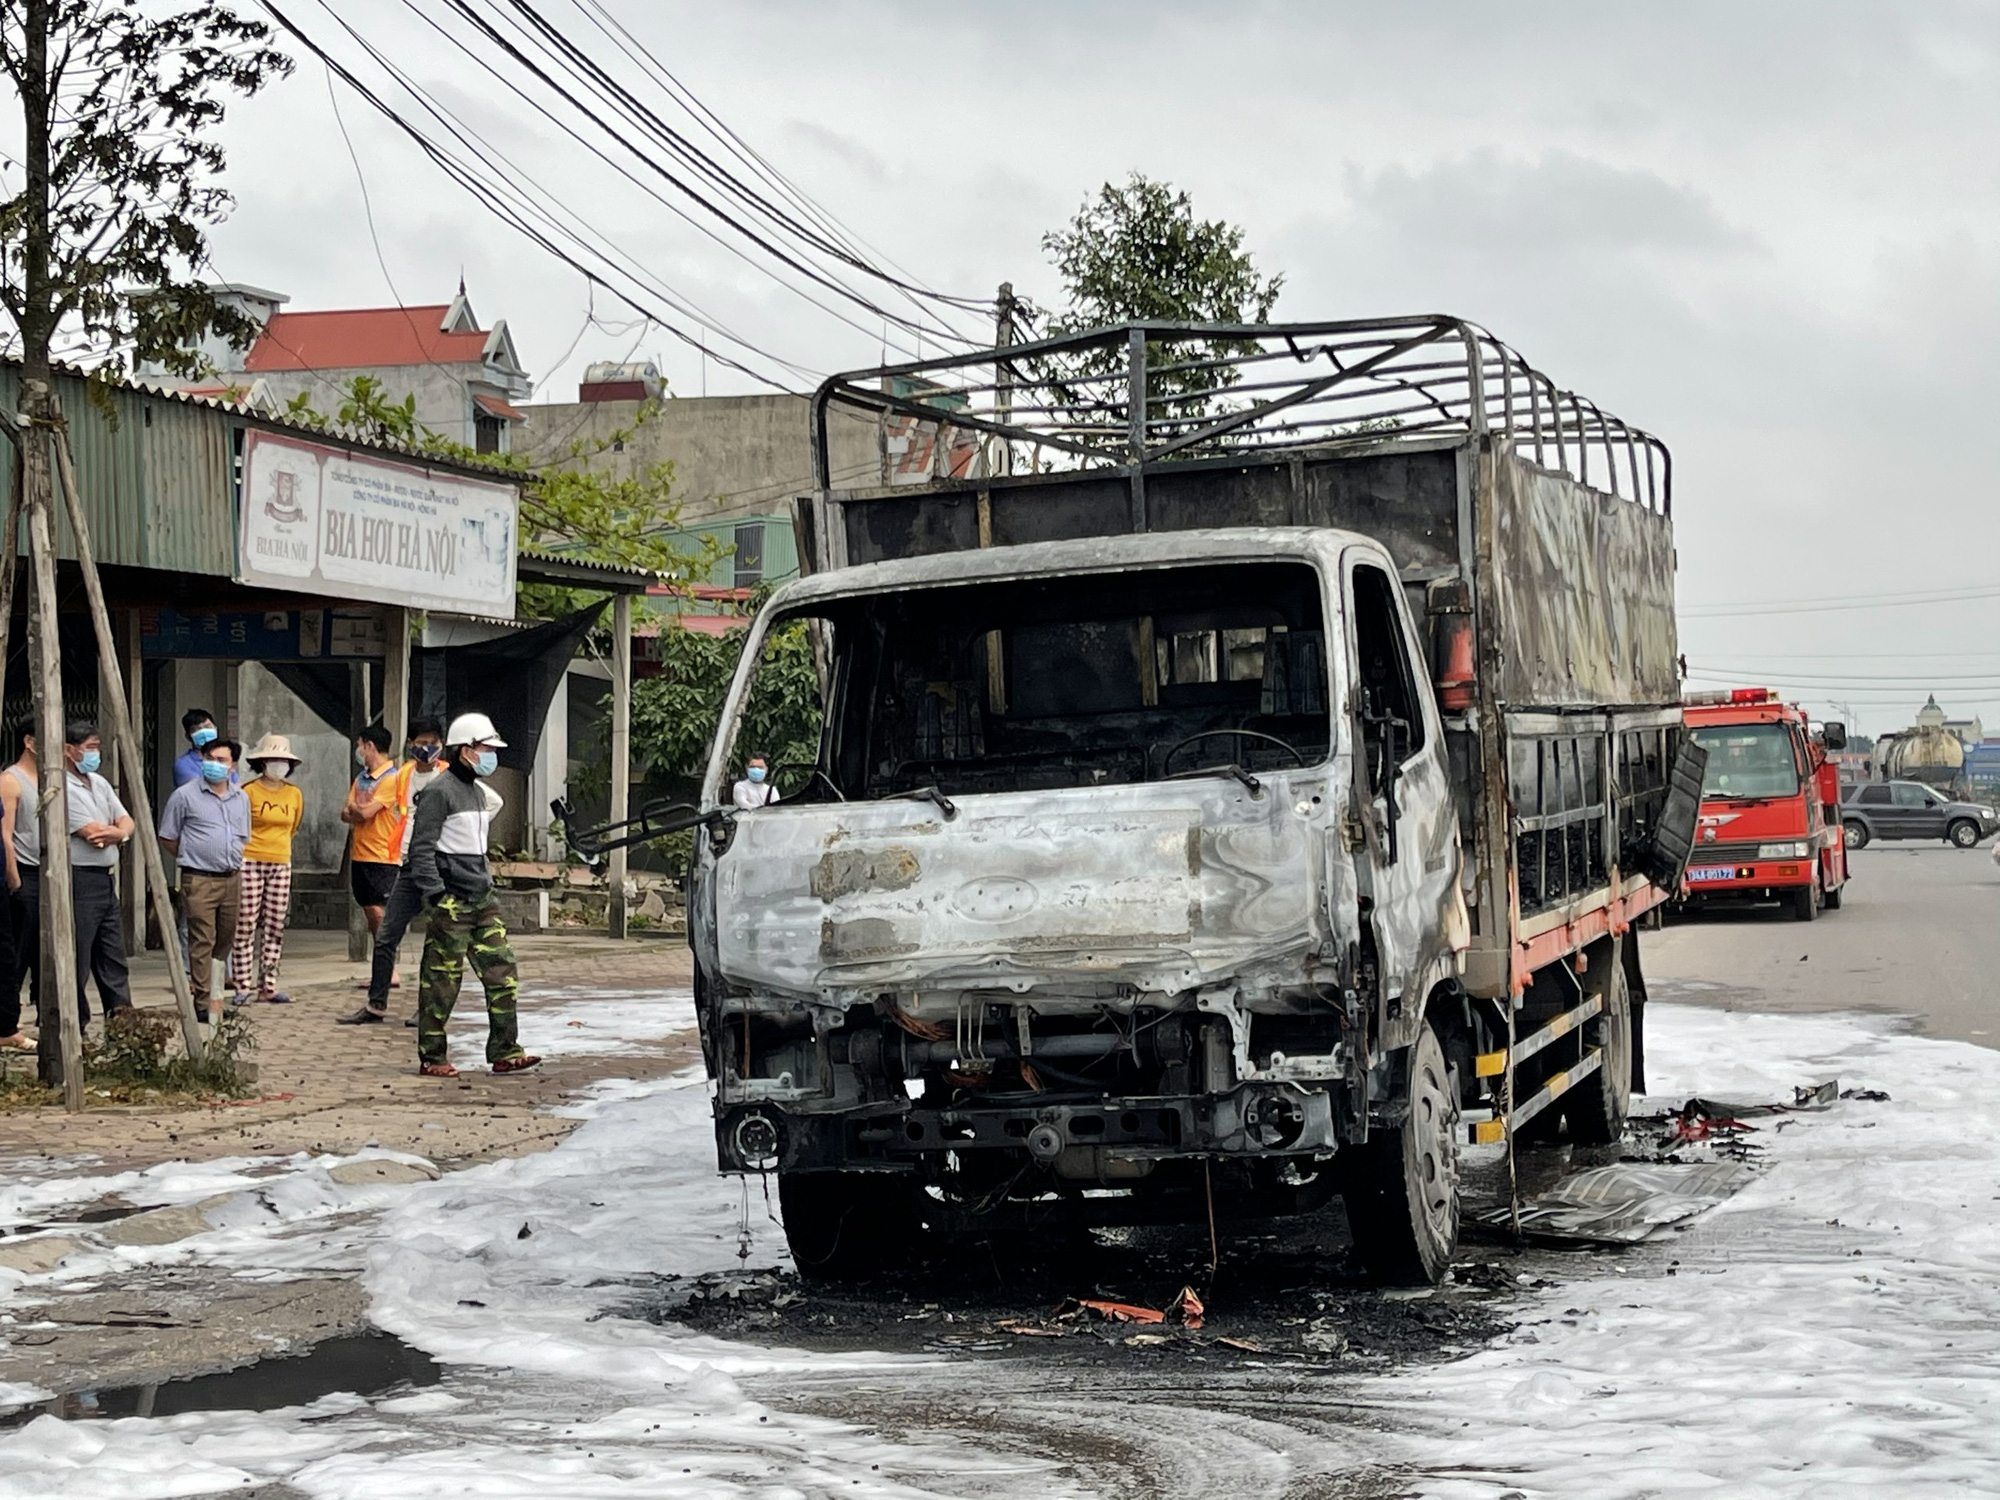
461	929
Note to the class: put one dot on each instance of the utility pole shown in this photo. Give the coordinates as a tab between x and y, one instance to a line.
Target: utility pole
1003	371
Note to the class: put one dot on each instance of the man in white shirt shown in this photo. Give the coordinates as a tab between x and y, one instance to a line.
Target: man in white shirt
755	789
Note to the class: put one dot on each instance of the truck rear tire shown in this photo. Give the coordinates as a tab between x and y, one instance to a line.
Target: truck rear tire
1805	902
849	1226
1402	1189
1597	1107
1832	901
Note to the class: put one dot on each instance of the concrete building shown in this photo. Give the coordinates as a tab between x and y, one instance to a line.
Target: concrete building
467	380
738	462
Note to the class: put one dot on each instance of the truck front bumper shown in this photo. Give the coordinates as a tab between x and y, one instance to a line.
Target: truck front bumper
1256	1118
1751	880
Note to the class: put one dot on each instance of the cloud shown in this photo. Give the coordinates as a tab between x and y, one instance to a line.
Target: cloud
1557	203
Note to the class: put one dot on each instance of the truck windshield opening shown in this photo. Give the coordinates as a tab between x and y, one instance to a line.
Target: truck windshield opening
1082	680
1748	760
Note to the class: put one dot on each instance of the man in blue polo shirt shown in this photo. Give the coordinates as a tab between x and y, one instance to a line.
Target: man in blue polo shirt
204	827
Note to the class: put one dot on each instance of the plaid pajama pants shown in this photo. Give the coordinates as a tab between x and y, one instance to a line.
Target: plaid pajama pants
260	927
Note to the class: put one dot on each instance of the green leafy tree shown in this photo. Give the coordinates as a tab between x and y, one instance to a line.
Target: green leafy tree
674	715
109	206
1137	253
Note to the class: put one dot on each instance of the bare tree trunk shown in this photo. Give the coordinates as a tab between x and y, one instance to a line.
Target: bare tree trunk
58	993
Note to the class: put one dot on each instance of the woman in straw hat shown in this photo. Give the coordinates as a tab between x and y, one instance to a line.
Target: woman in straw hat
276	810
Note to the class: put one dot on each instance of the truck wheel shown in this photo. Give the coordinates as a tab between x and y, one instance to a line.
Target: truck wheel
1596	1108
1964	833
1857	833
1402	1193
1832	901
848	1226
1805	902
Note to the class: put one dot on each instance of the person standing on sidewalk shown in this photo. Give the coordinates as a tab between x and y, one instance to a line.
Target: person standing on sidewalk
204	828
98	826
21	842
448	866
426	765
277	808
376	816
198	724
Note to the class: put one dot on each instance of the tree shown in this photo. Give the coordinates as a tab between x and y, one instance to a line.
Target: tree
116	190
674	715
101	235
1137	253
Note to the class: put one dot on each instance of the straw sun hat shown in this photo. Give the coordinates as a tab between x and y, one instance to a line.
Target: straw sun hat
272	747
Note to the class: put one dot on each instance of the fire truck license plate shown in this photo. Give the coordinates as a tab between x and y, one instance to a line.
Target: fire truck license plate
1711	872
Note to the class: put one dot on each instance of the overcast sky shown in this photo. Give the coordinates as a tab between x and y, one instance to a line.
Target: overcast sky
1765	232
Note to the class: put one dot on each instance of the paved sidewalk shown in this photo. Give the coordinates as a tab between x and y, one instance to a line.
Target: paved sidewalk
329	1088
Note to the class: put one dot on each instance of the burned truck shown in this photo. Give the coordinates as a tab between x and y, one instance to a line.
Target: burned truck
1247	754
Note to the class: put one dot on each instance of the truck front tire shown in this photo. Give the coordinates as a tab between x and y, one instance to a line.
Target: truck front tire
849	1226
1402	1188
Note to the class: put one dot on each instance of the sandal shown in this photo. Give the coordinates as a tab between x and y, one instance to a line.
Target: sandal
16	1043
276	997
436	1070
520	1062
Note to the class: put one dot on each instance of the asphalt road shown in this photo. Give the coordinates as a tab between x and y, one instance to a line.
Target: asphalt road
1917	934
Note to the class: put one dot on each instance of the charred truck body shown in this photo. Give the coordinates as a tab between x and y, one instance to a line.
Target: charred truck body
1246	752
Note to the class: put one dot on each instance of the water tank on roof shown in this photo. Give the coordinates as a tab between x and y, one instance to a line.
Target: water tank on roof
608	380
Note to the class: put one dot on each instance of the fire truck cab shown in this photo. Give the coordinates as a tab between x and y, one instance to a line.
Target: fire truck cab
1769	828
1771	805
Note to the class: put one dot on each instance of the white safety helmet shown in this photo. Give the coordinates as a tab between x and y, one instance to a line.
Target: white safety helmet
474	729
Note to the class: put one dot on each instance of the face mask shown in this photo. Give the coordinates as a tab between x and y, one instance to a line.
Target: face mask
755	773
360	759
89	761
486	763
214	772
276	770
203	736
426	753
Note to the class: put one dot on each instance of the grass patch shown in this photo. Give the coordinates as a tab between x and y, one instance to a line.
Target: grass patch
136	1063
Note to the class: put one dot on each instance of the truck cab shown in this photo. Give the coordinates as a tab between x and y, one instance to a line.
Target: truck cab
1770	826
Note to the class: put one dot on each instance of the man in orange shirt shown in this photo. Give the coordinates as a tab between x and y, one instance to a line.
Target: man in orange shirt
375	810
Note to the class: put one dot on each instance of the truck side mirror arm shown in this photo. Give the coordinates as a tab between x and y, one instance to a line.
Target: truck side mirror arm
654	820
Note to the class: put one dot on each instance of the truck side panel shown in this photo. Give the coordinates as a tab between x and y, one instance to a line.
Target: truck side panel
1583	593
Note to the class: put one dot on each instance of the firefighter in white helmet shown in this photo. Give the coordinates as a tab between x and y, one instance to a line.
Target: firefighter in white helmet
447	864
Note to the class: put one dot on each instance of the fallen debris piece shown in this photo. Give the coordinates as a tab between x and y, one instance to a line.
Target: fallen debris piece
1146	1340
1031	1330
1623	1204
1248	1346
1186	1308
1869	1096
1110	1312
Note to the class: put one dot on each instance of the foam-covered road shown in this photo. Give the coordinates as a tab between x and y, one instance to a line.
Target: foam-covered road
1833	1330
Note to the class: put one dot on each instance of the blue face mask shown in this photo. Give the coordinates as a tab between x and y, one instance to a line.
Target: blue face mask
755	773
89	762
214	772
203	736
485	764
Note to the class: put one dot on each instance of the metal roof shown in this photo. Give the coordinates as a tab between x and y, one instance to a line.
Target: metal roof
537	565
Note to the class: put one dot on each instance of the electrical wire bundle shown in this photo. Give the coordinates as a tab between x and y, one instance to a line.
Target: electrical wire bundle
582	72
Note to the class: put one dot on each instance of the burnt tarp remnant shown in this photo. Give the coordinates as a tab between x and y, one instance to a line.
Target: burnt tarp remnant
1623	1204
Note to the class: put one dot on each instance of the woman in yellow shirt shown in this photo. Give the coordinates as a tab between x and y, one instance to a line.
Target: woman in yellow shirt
276	810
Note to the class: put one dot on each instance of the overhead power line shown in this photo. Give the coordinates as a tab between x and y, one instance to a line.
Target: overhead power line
1841	602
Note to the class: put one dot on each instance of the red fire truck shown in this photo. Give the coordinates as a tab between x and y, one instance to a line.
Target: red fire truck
1770	805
